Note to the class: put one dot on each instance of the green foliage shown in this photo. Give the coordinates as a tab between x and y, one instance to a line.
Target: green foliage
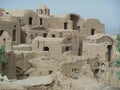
2	50
118	75
2	61
3	73
117	64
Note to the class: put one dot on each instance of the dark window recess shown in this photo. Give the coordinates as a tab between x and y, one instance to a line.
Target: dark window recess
109	47
30	20
50	72
14	35
46	48
74	70
102	71
65	25
31	37
69	39
96	71
36	34
45	11
38	44
14	26
78	27
53	35
67	48
7	12
41	21
41	11
45	35
1	32
4	39
92	31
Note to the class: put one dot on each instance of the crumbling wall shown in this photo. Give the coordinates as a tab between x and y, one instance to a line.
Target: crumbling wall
22	63
75	66
10	26
5	40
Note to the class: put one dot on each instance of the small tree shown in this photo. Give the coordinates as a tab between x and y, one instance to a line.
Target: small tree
117	64
2	60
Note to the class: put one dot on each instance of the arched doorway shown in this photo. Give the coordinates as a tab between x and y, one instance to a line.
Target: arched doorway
14	35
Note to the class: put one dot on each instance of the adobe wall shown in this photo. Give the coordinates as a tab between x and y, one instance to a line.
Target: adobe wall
5	40
99	48
24	20
72	36
9	26
53	46
89	24
55	22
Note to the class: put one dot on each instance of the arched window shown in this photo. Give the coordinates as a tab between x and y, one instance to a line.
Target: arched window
30	20
41	11
45	11
14	35
46	48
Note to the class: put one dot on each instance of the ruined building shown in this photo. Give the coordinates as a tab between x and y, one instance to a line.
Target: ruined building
31	34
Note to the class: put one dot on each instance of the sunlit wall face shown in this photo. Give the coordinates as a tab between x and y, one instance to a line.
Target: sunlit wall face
107	11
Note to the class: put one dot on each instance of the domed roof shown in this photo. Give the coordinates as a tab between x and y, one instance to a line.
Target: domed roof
42	7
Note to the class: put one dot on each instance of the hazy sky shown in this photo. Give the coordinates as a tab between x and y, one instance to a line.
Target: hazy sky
107	11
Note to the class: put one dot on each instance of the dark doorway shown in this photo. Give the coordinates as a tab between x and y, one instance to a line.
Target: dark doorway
30	20
40	21
14	35
50	72
53	35
65	25
46	48
1	32
109	47
92	31
45	35
67	48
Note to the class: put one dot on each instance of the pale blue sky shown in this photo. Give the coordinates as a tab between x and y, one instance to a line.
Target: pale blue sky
107	11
